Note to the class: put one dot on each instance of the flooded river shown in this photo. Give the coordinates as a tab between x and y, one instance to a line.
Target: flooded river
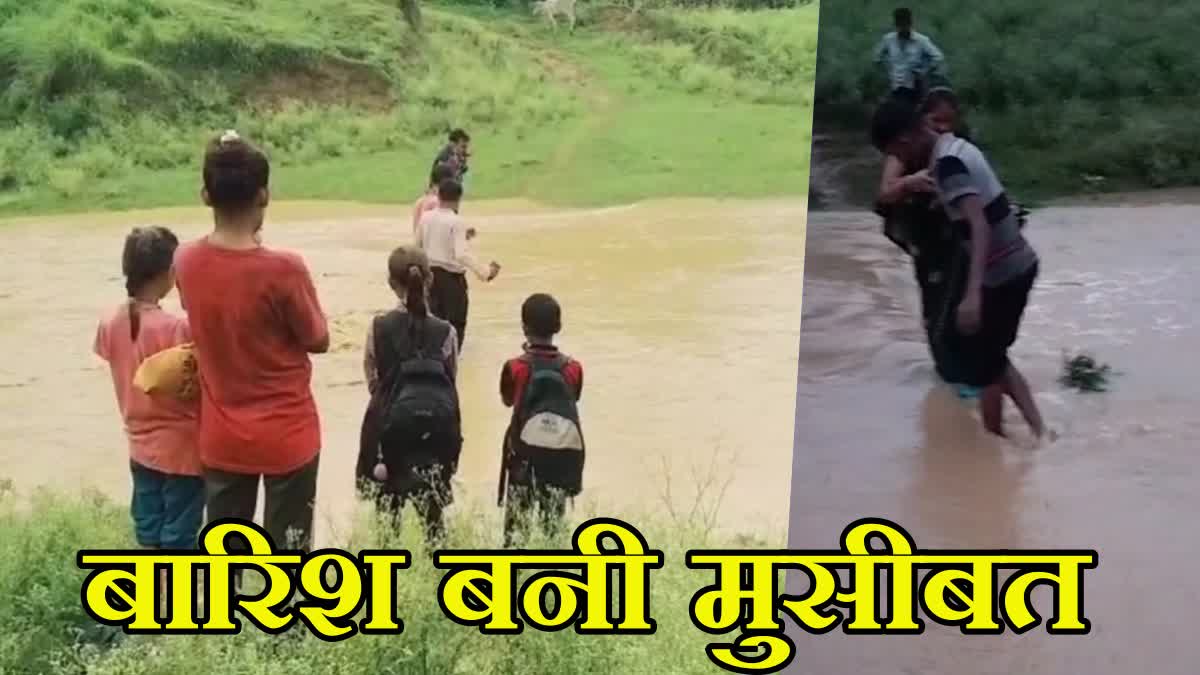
684	314
875	437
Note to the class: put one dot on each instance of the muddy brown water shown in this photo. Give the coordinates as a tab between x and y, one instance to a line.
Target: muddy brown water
876	437
685	315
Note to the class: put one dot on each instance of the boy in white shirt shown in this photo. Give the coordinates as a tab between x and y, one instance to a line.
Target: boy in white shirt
444	236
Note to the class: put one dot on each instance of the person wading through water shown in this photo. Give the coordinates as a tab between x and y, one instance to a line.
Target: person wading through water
1002	268
444	237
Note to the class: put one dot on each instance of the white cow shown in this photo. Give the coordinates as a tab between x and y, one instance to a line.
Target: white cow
552	8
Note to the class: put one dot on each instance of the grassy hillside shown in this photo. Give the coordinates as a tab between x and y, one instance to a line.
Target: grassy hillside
1069	97
106	103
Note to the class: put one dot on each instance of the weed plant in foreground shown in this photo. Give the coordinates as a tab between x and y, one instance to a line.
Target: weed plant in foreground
44	630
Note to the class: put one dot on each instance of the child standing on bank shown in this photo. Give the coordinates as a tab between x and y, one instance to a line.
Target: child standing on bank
256	319
543	456
412	431
168	492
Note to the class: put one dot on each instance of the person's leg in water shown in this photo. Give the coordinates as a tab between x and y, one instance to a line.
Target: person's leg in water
450	300
1019	390
1003	308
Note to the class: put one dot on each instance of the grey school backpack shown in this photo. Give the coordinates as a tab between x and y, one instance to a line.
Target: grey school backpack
546	432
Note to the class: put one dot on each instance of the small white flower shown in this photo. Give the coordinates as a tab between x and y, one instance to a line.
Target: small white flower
230	136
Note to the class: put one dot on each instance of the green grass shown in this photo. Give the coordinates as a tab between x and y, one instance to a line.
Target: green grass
1068	97
107	104
44	631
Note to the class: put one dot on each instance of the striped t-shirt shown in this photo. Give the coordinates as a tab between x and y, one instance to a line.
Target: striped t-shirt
961	170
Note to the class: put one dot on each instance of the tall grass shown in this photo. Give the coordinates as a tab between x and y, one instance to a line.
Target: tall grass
759	57
107	104
1068	96
44	630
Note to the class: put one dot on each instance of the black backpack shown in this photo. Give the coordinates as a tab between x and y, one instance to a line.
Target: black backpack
546	436
420	420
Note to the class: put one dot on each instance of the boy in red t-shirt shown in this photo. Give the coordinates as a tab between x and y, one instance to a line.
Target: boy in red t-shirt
255	319
539	473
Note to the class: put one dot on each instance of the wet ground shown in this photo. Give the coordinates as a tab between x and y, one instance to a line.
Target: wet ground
876	437
684	314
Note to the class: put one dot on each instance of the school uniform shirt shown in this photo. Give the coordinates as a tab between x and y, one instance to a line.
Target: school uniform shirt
905	59
443	236
961	170
425	204
515	374
161	432
371	369
253	315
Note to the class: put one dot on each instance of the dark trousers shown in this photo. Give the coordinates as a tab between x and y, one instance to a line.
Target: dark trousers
911	95
449	300
525	504
288	503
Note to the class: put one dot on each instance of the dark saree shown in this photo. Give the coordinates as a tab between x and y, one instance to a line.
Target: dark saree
921	228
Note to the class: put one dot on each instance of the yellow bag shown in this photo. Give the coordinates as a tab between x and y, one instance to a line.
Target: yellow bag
171	372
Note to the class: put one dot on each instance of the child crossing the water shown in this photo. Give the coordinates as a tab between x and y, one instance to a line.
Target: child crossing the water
256	320
543	451
411	433
1002	265
167	504
943	112
445	238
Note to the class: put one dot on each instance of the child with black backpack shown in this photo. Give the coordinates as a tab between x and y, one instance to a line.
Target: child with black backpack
543	448
412	430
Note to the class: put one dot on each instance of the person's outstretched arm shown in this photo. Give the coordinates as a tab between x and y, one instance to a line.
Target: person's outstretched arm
463	255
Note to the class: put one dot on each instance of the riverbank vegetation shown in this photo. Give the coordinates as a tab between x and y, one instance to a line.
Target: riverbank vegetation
1068	97
107	104
44	631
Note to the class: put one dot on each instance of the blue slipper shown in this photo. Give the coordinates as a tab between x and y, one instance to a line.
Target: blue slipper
966	392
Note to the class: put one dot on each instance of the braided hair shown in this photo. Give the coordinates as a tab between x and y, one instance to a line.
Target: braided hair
149	253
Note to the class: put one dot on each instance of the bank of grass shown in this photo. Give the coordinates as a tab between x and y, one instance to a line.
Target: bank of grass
106	104
1068	97
44	631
